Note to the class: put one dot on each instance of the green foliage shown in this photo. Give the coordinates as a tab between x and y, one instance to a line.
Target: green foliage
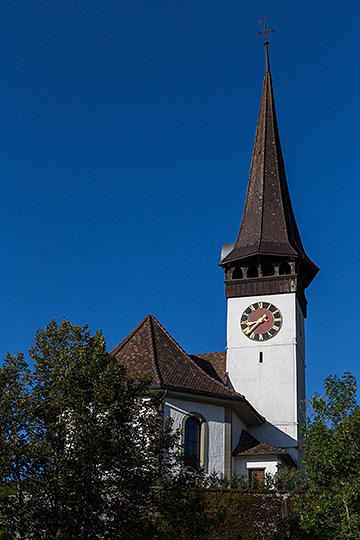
217	480
214	507
285	479
84	455
180	502
240	514
5	492
18	436
79	442
6	536
330	508
290	479
213	514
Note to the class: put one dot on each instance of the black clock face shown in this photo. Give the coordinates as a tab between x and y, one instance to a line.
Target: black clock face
261	321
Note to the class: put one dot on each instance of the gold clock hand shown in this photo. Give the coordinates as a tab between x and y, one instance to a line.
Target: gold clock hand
254	324
260	320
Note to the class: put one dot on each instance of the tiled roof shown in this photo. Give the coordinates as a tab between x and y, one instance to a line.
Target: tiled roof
213	363
250	446
149	349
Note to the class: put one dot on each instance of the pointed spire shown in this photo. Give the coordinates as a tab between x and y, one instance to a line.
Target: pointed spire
268	226
267	62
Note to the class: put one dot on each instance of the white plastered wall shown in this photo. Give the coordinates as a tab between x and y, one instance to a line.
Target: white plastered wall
236	427
214	415
277	385
242	465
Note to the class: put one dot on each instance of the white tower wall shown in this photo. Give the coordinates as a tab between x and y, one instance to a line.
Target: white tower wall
274	383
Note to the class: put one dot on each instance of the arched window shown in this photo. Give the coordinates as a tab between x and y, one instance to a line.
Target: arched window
268	269
284	268
252	271
195	440
237	273
192	441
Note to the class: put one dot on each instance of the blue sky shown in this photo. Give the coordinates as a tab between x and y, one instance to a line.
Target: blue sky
125	144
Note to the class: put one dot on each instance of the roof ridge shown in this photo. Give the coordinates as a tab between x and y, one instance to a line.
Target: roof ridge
152	319
209	377
126	339
265	134
168	334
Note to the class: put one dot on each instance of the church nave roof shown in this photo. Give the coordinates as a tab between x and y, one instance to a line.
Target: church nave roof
150	349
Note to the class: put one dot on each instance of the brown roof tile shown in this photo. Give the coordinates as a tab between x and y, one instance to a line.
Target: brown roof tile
149	349
213	363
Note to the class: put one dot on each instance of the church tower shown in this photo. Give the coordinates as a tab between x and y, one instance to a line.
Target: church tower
266	274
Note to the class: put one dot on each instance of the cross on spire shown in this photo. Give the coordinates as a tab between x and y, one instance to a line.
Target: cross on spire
266	31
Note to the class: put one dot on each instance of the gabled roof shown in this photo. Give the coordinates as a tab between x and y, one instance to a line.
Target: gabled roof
149	349
268	225
250	446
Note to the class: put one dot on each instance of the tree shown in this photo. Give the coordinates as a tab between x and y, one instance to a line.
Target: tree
17	437
330	508
92	437
5	492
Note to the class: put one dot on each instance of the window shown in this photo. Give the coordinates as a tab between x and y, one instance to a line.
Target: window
237	273
195	439
284	268
267	270
192	441
252	271
256	478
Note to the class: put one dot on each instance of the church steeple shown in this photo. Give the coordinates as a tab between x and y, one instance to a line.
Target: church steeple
268	256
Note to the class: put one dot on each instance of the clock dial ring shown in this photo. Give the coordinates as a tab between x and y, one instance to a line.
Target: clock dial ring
261	321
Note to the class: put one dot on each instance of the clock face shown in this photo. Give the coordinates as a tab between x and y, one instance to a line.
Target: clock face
261	321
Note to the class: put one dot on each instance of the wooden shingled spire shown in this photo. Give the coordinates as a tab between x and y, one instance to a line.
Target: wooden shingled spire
268	233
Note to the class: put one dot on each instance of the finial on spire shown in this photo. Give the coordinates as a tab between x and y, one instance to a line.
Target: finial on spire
265	33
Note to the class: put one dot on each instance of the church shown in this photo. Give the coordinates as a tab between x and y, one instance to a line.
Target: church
240	410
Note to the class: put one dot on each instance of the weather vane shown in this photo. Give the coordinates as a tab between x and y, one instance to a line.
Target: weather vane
266	31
